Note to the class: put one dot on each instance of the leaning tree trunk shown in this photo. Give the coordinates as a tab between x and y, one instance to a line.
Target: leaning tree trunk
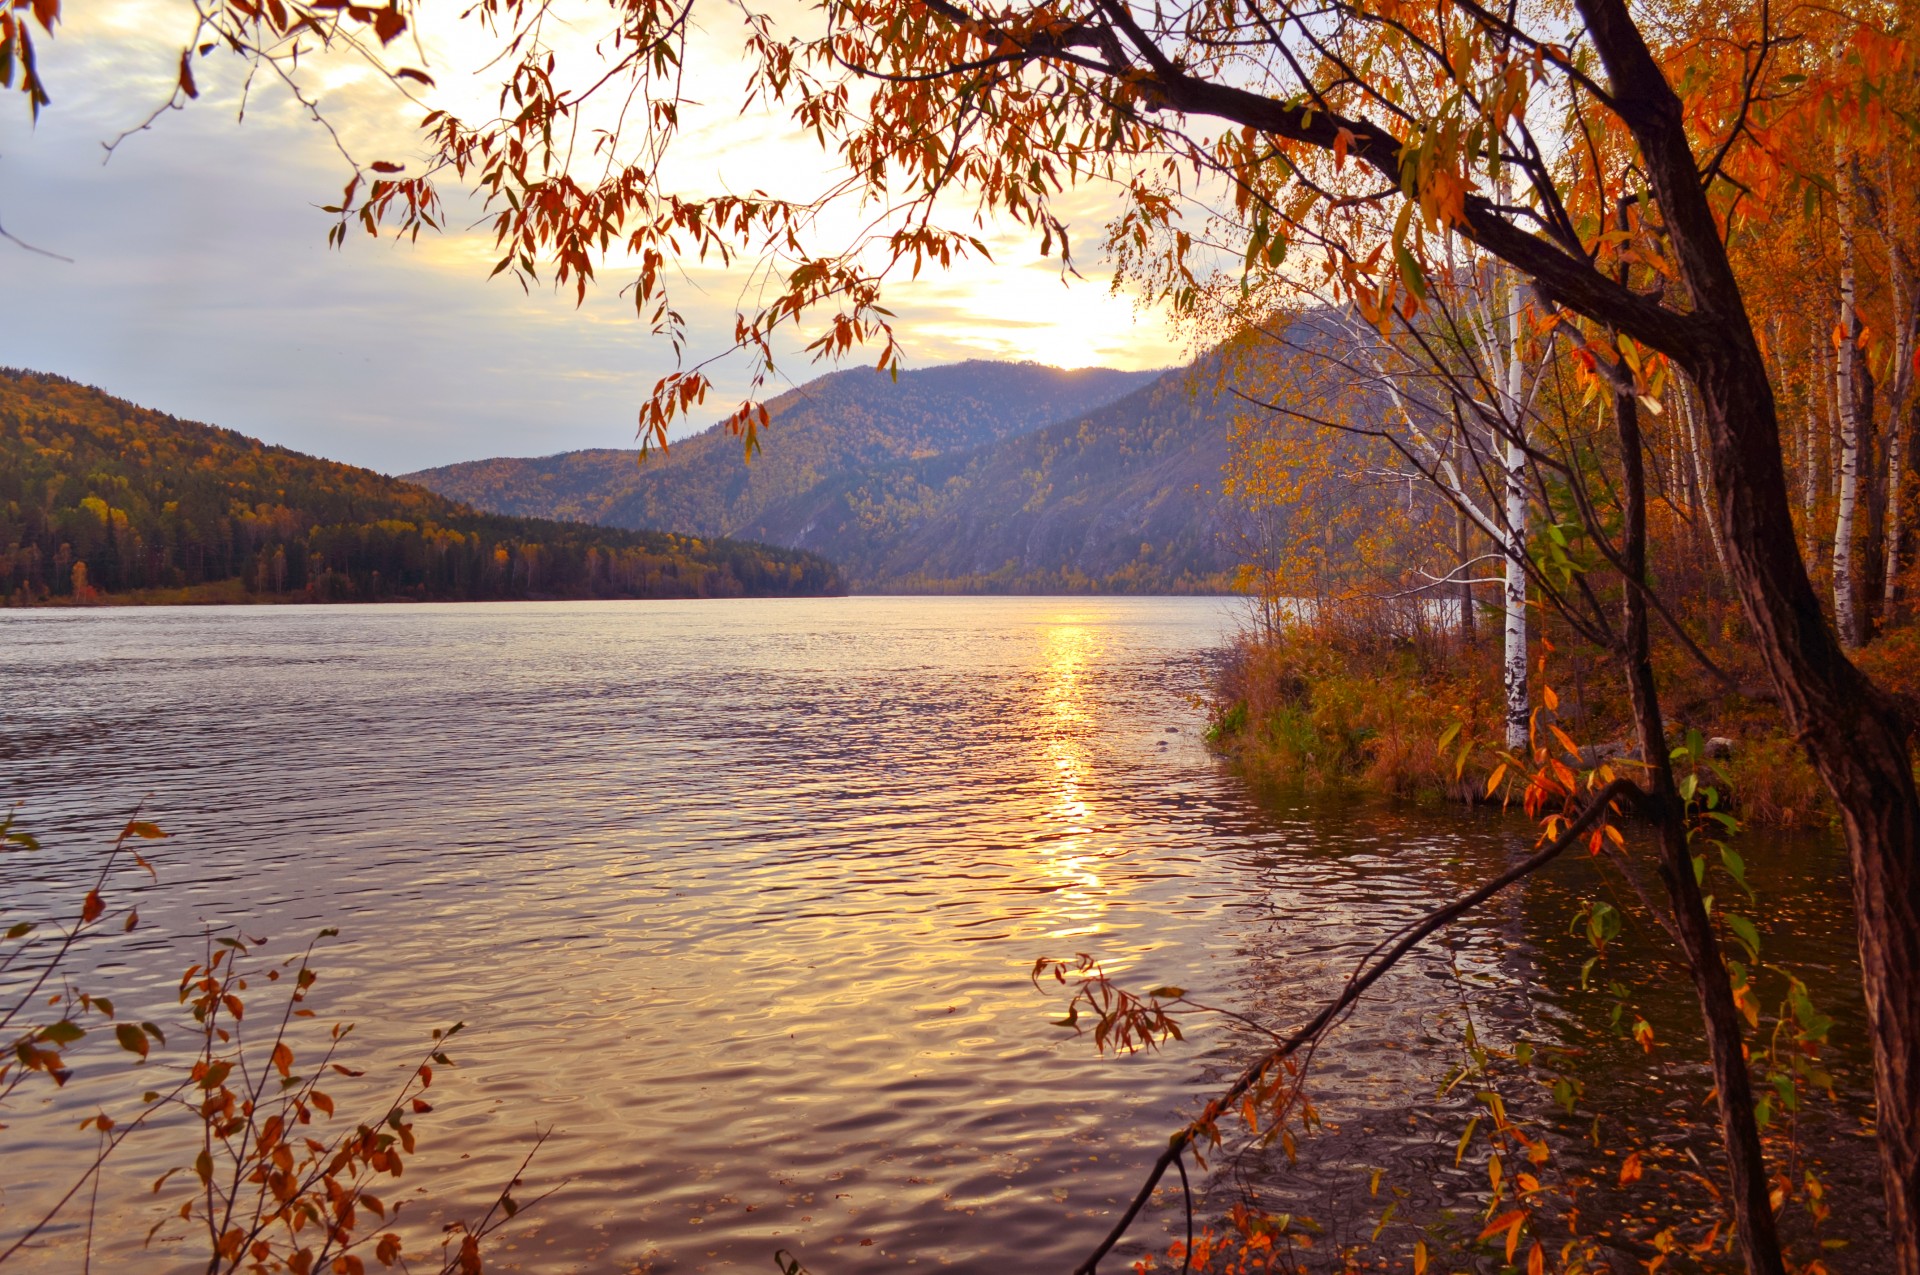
1856	738
1726	1044
1854	733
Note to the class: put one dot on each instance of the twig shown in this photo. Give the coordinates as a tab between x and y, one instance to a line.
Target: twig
20	243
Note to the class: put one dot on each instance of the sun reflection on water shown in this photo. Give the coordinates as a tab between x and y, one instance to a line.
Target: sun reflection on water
1069	856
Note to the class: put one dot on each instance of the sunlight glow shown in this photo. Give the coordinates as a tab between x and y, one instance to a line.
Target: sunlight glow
1069	856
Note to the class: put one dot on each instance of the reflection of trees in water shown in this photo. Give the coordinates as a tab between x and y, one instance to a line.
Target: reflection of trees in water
1334	878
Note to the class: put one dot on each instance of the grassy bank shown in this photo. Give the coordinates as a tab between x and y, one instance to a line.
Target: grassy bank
1325	709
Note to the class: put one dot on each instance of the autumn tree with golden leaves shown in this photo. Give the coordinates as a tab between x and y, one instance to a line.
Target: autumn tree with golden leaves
1623	174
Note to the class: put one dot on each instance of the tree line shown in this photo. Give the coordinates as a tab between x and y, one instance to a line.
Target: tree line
100	499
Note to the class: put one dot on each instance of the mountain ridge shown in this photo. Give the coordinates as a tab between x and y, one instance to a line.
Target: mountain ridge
845	419
1119	497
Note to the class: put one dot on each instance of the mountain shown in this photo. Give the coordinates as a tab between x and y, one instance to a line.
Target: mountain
975	477
1122	499
100	497
842	422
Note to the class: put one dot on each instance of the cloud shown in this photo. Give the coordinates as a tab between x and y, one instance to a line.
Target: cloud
200	282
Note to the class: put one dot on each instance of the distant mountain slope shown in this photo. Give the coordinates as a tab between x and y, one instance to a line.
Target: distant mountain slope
1123	499
98	496
845	421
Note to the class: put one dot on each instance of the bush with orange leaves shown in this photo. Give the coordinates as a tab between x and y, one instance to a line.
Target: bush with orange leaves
270	1181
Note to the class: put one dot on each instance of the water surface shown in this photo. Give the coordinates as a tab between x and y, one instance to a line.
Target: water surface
739	899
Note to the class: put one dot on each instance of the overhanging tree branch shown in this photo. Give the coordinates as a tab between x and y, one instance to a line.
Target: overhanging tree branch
1371	969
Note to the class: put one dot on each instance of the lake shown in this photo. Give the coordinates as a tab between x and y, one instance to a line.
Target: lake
740	898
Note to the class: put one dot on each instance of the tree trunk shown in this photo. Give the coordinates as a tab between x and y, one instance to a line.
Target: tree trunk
1854	734
1726	1047
1856	739
1896	480
1846	585
1462	545
1811	454
1850	598
1900	404
1697	483
1513	666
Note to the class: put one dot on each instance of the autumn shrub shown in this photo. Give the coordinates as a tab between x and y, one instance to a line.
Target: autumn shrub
270	1171
1360	705
1325	707
1774	784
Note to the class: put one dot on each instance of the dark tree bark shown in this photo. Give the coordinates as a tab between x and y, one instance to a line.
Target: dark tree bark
1739	1134
1854	733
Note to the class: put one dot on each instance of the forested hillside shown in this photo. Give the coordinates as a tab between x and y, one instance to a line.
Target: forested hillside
842	422
1124	499
101	498
978	477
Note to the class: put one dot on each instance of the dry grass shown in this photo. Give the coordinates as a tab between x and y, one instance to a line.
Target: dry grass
1326	709
1333	711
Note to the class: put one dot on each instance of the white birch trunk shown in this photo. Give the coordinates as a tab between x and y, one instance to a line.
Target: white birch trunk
1810	453
1896	464
1513	674
1900	394
1846	584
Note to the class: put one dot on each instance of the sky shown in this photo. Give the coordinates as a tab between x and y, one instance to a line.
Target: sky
197	278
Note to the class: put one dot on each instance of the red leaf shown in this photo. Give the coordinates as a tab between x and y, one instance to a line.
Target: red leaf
387	23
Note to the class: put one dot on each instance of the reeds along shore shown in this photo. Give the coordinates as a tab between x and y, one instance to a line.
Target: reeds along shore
1383	701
